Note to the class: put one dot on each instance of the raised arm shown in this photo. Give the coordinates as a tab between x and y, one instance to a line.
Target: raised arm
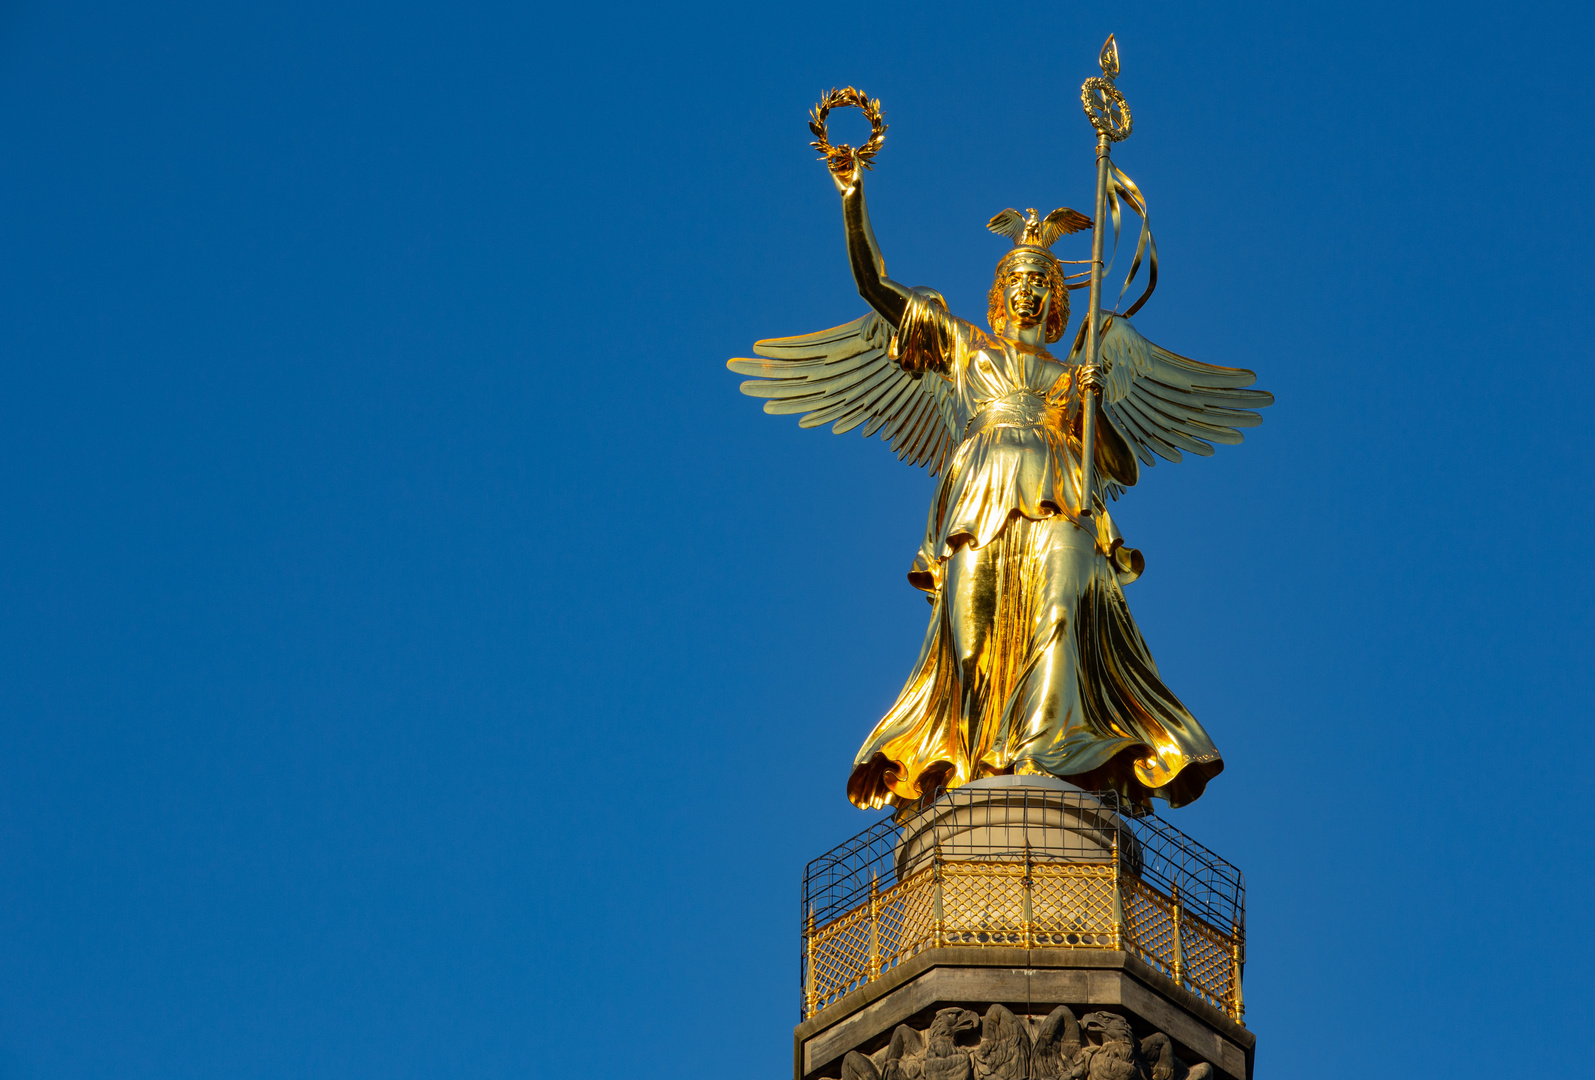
869	269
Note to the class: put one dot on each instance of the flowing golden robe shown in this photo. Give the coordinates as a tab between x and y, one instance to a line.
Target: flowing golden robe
1032	662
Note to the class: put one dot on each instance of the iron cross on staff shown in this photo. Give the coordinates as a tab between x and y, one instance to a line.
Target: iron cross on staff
1109	113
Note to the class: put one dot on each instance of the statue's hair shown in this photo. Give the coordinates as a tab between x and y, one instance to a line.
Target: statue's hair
1057	313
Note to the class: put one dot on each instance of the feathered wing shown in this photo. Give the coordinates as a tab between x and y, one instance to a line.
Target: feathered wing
1062	222
1009	223
1167	404
843	377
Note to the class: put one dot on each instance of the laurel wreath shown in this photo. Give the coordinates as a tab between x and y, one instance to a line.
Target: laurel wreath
844	160
1105	106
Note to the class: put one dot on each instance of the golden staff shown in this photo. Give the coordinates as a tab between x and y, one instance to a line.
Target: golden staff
1109	113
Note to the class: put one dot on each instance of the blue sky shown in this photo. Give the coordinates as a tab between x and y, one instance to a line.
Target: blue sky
418	660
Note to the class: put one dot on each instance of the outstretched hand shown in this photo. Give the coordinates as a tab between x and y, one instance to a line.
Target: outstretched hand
844	169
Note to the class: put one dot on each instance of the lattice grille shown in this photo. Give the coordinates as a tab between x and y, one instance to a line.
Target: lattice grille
905	918
1072	906
1047	877
983	903
918	913
841	956
1209	963
1149	926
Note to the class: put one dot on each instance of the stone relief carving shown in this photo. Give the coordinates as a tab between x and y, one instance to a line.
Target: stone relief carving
1097	1046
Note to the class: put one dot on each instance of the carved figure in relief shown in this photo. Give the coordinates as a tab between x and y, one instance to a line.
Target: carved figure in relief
1116	1057
904	1055
1004	1050
944	1058
1031	662
1057	1052
935	1056
1161	1064
1098	1046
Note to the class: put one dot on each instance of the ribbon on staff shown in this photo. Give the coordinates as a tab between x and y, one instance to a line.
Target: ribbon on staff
1121	187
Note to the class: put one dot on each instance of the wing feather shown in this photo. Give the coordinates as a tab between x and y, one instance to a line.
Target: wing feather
804	376
850	396
1171	416
942	432
1009	223
1151	432
927	435
904	419
929	441
940	451
843	377
800	404
868	330
1169	405
886	414
923	442
1214	401
1062	222
818	384
948	432
867	403
1138	438
1172	431
911	433
882	401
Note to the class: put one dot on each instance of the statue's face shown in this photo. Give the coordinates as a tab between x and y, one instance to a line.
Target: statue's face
1026	291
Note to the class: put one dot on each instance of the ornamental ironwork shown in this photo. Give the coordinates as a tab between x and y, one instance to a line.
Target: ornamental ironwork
1023	868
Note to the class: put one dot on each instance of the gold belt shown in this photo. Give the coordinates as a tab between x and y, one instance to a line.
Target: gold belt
1026	410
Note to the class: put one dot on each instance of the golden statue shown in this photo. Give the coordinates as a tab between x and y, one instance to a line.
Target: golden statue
1032	662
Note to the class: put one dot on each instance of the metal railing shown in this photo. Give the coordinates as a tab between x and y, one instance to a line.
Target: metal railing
1023	867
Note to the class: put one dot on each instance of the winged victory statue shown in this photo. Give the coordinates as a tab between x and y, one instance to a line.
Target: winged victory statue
1032	662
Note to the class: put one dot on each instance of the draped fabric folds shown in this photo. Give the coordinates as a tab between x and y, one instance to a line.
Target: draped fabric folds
1032	661
1033	664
